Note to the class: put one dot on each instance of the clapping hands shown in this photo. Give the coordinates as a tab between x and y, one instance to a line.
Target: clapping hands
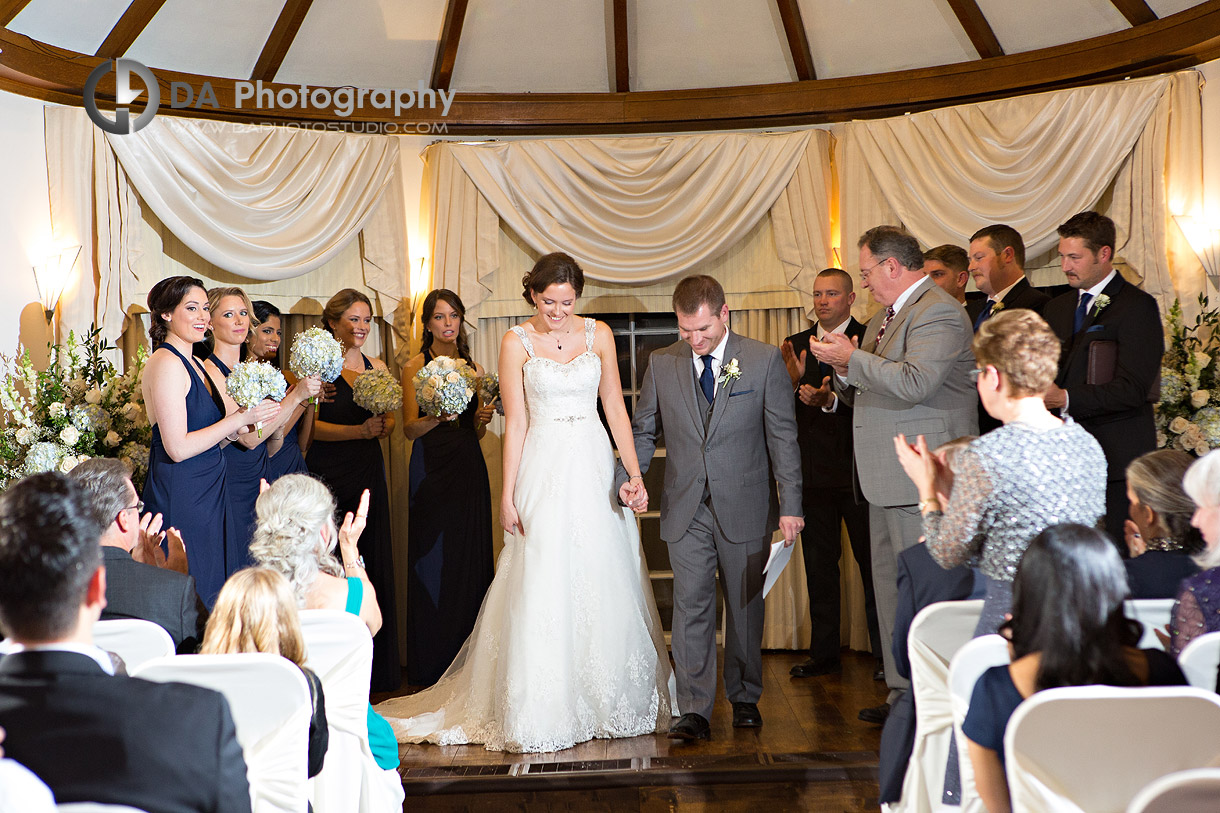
148	547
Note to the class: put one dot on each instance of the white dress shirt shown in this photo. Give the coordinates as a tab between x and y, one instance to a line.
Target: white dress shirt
717	362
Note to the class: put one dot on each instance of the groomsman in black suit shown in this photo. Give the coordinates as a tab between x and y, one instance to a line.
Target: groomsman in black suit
1111	360
829	498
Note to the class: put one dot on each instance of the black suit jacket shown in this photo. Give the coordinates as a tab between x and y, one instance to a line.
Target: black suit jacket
1022	295
1118	414
825	438
165	597
92	737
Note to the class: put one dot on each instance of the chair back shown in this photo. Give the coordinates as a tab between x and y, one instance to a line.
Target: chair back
134	640
967	666
1200	660
1093	748
937	633
1154	614
1193	791
94	807
269	700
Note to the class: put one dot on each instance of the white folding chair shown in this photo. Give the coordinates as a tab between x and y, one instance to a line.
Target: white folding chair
937	633
967	666
1199	661
1093	748
94	807
134	640
1154	614
1193	791
340	651
21	791
269	700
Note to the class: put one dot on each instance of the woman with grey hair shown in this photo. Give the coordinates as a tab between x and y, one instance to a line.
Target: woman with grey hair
1198	608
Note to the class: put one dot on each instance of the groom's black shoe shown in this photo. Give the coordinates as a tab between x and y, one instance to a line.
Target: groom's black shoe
691	727
813	667
745	715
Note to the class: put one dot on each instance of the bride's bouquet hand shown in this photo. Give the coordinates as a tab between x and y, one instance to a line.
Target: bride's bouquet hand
509	520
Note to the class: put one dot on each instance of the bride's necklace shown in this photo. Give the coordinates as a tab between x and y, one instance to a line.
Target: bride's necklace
558	341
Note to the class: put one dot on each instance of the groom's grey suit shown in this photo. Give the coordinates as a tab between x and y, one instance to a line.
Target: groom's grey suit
719	504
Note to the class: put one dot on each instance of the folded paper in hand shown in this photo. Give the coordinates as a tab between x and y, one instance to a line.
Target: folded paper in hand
776	562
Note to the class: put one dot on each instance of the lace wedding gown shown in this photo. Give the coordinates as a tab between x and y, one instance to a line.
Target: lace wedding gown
567	645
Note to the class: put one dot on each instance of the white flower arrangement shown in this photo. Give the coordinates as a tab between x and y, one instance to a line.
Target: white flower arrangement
251	382
377	391
316	352
1186	418
730	372
445	386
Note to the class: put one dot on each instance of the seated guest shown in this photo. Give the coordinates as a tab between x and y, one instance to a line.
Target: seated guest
295	534
90	736
1012	482
256	612
133	589
1067	629
1199	596
1159	535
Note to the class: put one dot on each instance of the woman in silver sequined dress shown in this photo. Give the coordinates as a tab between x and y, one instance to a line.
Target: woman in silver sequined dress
1013	482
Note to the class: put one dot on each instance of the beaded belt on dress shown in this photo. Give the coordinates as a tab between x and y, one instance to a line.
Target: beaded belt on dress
569	418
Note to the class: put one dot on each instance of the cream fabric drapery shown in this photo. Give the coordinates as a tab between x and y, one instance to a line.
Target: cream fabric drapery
1034	161
631	210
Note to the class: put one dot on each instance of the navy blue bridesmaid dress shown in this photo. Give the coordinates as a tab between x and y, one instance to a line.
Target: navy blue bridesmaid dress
288	460
191	494
246	467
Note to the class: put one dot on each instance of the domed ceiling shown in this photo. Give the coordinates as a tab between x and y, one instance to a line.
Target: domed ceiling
612	65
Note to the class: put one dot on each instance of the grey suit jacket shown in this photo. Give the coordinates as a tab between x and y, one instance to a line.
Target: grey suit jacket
136	590
916	382
748	446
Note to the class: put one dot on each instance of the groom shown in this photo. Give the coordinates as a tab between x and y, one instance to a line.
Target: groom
725	405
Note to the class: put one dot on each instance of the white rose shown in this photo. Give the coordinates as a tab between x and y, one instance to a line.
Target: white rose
1178	425
1201	448
25	436
112	439
453	378
93	396
130	410
69	436
57	410
1192	435
1161	439
68	463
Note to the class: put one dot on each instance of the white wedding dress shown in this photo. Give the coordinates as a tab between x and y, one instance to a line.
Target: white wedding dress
567	645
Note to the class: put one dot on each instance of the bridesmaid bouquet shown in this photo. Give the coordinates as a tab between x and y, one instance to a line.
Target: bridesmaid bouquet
377	391
445	386
489	390
252	381
316	352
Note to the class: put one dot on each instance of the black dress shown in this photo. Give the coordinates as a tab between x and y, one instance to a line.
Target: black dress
449	562
348	467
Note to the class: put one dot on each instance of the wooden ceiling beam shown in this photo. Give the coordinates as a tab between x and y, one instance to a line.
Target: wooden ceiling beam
1137	12
10	9
129	27
798	40
282	35
447	45
622	67
975	24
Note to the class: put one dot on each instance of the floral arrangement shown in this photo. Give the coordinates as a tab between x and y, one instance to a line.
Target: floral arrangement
251	382
445	386
731	372
316	352
377	391
489	388
79	407
1188	414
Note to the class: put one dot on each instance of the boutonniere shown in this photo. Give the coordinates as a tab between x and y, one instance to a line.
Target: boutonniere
730	372
997	307
1099	304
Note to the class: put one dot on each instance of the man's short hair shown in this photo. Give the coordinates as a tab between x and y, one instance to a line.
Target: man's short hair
49	550
1095	229
700	289
884	242
1001	237
839	274
105	480
950	256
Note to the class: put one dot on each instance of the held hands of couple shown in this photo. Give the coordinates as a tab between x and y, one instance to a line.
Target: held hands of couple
633	494
835	349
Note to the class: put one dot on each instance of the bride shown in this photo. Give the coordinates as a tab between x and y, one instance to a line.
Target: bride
568	645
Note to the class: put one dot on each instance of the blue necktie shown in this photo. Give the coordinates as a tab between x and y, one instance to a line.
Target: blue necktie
707	379
983	314
1082	310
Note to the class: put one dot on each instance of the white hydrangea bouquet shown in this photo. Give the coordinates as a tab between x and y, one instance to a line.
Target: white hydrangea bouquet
377	391
1188	413
251	382
445	386
316	352
79	407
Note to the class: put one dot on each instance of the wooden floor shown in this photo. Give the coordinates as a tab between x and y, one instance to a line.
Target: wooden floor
812	753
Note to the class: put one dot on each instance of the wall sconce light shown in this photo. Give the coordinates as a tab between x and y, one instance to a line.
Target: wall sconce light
1203	234
51	277
419	279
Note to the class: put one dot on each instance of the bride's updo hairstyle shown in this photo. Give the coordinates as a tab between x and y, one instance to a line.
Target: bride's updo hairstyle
553	269
290	518
164	297
1021	345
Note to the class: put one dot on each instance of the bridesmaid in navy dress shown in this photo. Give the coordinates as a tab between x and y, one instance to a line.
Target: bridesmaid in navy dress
186	468
346	454
247	460
264	345
449	562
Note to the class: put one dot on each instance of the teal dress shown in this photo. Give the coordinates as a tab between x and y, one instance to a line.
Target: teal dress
382	741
